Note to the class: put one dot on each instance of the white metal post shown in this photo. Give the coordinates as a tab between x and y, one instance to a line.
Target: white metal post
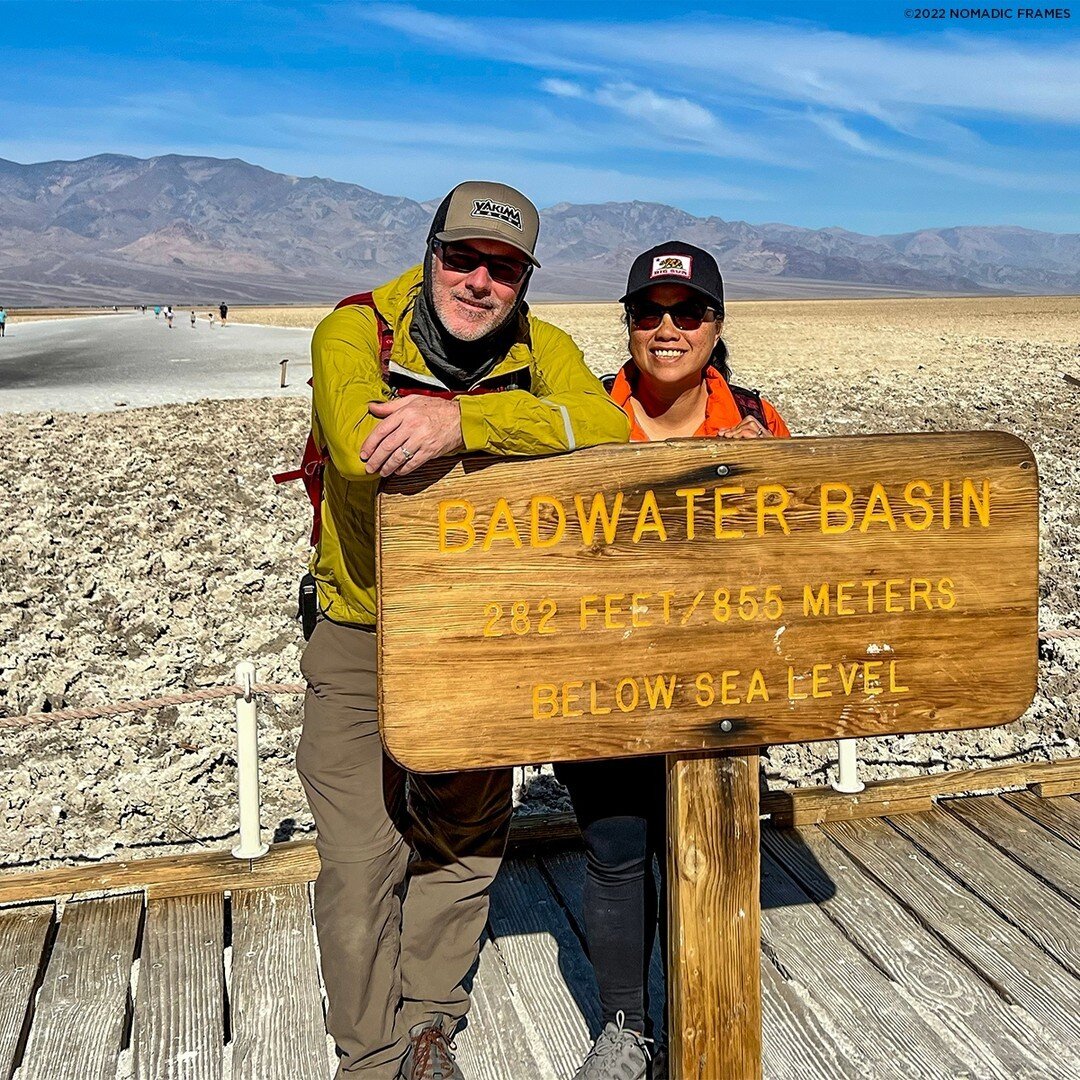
847	780
247	765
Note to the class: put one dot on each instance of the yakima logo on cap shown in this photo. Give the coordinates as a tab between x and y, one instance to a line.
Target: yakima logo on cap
672	266
503	211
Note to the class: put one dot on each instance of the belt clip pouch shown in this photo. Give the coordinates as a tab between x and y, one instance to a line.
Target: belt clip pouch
308	604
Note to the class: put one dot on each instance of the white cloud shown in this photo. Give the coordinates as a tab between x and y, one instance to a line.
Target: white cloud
963	169
798	63
672	119
562	88
677	115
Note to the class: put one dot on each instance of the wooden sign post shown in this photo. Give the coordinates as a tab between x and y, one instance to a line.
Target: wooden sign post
702	598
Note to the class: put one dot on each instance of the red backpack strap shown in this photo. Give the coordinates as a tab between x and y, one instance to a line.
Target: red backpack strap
386	332
311	472
315	457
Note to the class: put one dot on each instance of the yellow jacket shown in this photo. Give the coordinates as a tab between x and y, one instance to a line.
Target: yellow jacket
565	409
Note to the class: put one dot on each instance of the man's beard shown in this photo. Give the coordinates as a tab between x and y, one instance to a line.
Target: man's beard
469	323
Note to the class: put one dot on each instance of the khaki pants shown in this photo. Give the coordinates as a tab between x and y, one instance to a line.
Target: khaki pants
402	896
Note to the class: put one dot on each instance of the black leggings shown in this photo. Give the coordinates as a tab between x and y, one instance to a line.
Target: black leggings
621	809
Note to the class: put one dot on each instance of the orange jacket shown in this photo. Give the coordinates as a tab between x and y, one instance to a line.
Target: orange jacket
721	411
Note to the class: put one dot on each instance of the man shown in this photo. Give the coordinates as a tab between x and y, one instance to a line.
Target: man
223	310
401	900
3	322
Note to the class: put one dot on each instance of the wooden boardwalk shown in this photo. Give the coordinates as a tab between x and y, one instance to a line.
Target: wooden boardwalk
930	945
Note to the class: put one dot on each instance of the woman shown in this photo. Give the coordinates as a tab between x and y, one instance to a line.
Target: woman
674	384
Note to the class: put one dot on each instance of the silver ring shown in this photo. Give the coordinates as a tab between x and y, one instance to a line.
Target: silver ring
406	453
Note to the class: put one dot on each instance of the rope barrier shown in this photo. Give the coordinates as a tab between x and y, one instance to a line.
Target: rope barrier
104	711
149	704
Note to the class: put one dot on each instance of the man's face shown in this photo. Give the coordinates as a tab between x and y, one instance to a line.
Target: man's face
471	305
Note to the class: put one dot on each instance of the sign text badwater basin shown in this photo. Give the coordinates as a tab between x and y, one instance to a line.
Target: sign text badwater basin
705	594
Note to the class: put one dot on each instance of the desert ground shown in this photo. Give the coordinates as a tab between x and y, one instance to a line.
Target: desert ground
147	552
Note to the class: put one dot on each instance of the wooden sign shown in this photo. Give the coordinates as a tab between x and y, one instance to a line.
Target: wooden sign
705	594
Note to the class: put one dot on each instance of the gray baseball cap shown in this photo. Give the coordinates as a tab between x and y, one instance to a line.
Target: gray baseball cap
481	209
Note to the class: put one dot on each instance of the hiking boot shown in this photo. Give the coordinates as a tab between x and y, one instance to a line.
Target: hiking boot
431	1053
617	1054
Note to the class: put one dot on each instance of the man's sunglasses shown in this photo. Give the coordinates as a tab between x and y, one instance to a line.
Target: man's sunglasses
464	260
689	315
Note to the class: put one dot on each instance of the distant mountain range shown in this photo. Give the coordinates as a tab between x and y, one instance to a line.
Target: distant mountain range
116	229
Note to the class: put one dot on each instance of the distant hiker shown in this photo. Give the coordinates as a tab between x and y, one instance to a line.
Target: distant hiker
3	323
210	316
157	310
193	320
224	309
473	370
169	316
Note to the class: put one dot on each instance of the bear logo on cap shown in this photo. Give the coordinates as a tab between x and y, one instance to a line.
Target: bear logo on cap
503	211
672	266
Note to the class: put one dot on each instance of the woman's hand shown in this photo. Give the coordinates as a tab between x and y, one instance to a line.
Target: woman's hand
747	428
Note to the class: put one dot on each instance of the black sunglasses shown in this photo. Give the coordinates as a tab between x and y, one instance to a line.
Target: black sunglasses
689	315
464	260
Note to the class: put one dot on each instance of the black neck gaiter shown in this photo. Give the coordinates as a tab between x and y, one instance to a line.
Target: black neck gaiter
460	365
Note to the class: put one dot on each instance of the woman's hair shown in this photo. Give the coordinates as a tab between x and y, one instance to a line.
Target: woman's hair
718	360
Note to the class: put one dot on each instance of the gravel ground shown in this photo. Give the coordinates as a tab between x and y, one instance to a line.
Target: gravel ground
147	552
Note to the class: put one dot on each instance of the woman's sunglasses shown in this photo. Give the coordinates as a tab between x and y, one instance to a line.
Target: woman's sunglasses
464	260
689	315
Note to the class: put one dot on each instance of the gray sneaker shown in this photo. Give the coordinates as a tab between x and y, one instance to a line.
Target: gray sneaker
617	1054
431	1053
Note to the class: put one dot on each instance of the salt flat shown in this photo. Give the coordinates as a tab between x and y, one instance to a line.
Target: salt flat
147	550
97	363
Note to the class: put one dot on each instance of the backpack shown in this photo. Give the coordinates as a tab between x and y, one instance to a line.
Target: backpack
313	461
748	401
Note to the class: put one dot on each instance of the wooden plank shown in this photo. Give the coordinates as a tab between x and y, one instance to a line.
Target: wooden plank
23	936
992	1039
1047	789
850	808
279	1032
1060	816
179	1023
714	917
804	806
799	1040
171	875
539	628
999	951
546	967
81	1009
1027	842
291	863
1050	921
549	830
873	1014
501	1037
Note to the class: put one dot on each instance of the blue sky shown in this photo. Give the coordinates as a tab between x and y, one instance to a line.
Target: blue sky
813	114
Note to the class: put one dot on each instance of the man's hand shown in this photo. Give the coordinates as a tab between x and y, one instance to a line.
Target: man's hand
747	428
411	431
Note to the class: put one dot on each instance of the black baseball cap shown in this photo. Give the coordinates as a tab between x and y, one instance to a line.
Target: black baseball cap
675	263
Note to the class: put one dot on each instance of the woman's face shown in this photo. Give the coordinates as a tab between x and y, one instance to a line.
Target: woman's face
667	354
